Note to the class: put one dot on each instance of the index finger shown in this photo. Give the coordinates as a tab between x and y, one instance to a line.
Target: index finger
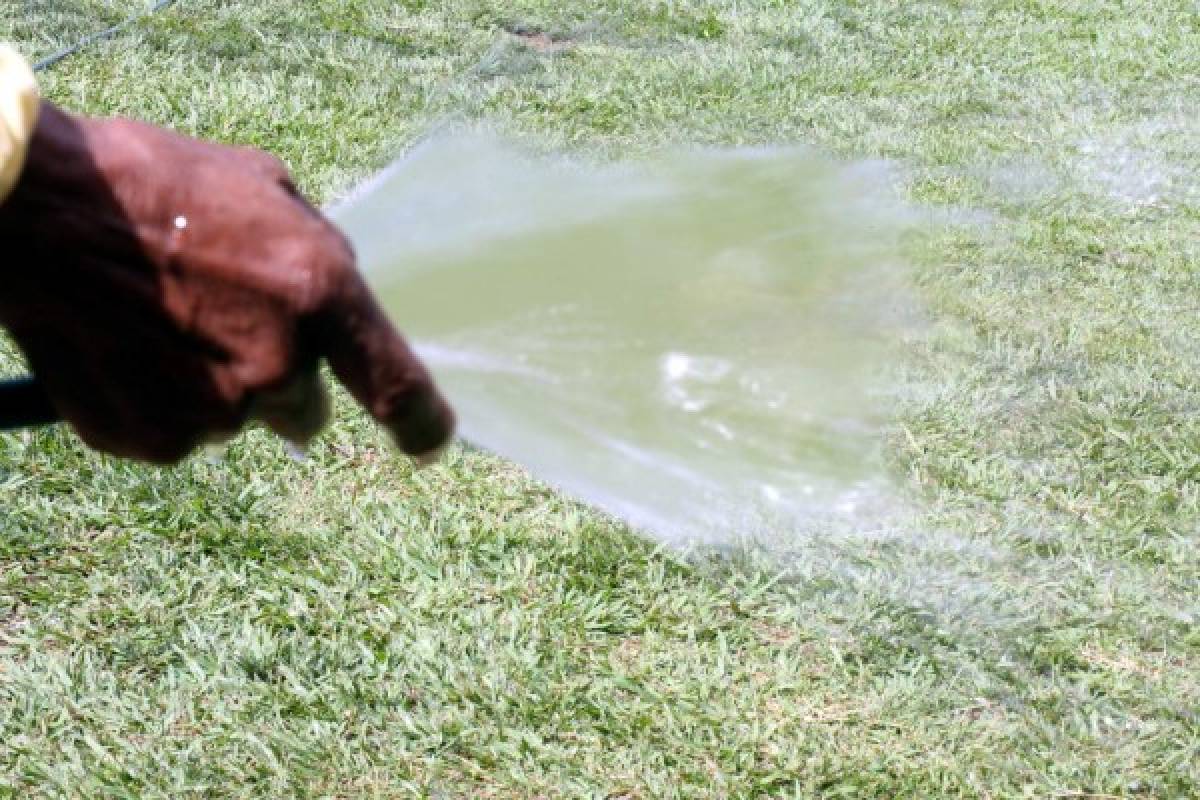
371	359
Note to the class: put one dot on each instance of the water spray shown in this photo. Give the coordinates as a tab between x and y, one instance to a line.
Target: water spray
688	344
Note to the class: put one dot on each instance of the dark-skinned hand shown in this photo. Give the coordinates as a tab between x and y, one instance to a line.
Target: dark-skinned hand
166	290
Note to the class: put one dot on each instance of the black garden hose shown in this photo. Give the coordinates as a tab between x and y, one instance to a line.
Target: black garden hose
98	36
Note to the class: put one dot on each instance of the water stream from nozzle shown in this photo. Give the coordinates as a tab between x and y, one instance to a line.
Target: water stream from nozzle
687	343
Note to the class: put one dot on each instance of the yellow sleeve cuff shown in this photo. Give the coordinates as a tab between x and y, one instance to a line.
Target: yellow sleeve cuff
18	115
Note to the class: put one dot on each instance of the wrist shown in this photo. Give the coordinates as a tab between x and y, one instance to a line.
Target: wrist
18	117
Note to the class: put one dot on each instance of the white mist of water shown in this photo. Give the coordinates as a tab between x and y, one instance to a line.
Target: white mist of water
687	343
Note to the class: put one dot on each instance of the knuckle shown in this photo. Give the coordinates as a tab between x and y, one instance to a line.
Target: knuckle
333	276
266	164
264	362
312	266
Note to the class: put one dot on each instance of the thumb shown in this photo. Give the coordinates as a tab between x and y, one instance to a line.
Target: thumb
372	360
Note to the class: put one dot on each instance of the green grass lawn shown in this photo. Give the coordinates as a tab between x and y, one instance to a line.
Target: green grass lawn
344	628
